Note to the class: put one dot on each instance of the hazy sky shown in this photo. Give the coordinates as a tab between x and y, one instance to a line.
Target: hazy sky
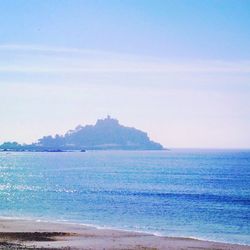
179	70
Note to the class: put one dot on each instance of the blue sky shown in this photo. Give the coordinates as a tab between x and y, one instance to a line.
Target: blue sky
179	70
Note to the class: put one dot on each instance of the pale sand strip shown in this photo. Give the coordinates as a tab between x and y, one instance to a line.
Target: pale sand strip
85	237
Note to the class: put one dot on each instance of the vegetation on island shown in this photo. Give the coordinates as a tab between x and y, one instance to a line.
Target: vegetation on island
105	134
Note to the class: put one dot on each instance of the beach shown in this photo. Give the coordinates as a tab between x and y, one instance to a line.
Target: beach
31	234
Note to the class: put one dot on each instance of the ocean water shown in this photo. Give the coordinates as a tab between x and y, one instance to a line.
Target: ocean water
192	193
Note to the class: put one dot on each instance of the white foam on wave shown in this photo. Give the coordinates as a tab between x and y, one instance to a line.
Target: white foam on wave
104	227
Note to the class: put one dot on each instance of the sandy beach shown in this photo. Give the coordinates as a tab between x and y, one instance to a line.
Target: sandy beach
29	234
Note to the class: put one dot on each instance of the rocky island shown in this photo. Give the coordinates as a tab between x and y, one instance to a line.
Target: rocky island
106	134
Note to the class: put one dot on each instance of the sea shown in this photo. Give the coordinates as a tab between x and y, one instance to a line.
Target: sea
203	194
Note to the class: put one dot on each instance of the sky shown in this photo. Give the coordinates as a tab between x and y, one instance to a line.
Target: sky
179	70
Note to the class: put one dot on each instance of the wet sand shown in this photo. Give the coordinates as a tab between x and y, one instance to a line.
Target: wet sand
29	234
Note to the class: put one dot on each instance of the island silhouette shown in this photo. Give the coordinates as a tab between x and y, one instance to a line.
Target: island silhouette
106	134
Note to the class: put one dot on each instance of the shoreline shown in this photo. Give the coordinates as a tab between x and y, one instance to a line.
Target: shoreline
98	227
36	234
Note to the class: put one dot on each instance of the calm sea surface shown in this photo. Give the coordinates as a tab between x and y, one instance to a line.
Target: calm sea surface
201	194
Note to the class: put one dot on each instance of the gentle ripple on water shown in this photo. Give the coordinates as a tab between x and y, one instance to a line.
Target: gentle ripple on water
197	193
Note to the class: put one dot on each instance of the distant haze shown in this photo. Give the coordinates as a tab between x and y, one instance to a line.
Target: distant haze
179	70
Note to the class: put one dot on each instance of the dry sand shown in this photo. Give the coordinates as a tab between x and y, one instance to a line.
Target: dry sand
28	234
